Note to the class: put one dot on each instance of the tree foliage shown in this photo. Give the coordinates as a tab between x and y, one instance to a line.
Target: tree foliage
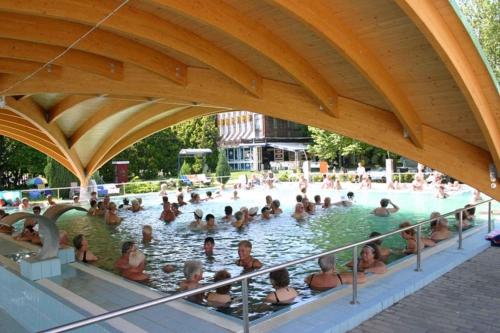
484	17
57	175
18	163
159	152
201	132
185	168
331	147
223	170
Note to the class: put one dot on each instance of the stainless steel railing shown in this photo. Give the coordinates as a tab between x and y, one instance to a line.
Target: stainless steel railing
245	277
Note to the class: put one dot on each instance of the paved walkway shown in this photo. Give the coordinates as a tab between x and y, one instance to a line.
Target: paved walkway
466	299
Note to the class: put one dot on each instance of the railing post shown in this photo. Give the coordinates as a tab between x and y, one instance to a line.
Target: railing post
58	197
124	191
419	251
490	227
355	275
244	292
460	230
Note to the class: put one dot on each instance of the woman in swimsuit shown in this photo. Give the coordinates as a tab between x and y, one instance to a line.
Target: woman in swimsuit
246	260
283	294
83	253
328	278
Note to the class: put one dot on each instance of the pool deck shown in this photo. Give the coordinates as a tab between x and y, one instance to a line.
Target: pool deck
466	299
91	291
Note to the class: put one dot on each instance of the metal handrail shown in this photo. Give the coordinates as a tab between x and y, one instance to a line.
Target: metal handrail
157	181
244	278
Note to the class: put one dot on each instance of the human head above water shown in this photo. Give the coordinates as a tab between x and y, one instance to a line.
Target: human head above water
193	269
280	278
327	262
228	210
127	246
384	202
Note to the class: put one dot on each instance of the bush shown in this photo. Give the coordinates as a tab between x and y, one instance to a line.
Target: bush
284	177
317	178
405	177
197	166
185	168
142	187
223	170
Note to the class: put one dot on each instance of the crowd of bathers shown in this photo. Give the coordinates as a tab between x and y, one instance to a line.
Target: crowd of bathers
132	262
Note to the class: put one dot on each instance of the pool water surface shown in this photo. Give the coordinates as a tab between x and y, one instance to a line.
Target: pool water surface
276	241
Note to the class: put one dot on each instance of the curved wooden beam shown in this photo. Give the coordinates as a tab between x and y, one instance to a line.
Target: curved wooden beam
107	44
111	108
34	114
145	27
144	132
30	135
218	14
26	130
41	53
316	16
449	38
35	143
66	104
24	67
126	127
286	101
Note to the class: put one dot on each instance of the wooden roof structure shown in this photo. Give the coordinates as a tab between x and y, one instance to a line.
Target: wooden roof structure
402	75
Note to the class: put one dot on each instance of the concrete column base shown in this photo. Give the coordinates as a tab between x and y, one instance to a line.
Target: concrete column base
35	269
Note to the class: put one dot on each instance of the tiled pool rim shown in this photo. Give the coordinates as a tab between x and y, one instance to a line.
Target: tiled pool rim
337	301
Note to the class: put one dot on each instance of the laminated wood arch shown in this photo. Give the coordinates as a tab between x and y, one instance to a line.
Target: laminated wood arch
404	76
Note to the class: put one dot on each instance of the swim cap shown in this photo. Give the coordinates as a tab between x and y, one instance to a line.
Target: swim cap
198	213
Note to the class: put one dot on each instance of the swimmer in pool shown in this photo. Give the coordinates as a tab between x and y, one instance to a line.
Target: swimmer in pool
246	260
132	269
283	294
299	213
383	211
197	223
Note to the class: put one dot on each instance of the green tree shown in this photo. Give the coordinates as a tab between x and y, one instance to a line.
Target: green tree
59	176
330	147
185	168
484	17
154	154
223	170
18	162
201	132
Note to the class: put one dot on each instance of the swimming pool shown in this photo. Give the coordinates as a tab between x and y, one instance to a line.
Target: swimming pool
276	241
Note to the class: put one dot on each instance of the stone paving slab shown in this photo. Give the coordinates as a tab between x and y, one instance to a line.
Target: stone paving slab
466	299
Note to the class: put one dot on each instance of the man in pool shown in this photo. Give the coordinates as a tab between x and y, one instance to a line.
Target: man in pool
265	213
275	208
197	223
246	260
383	211
147	233
239	221
208	246
131	272
167	215
210	222
228	214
